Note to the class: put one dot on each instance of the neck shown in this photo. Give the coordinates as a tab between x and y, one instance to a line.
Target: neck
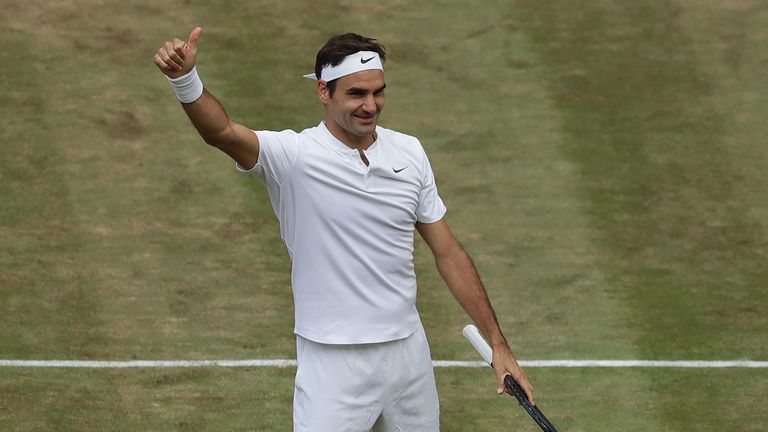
357	142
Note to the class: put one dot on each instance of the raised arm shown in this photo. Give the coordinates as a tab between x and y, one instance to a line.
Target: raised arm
459	273
177	60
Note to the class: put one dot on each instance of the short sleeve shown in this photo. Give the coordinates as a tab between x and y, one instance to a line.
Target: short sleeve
431	208
277	154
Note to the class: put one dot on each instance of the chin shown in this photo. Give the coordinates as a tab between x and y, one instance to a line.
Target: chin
363	130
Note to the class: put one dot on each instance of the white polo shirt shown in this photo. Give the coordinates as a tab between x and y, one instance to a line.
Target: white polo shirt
349	229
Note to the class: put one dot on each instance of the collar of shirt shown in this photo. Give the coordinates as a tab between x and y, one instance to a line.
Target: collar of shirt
347	152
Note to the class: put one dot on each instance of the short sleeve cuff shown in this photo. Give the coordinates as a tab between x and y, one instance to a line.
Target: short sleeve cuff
433	216
244	170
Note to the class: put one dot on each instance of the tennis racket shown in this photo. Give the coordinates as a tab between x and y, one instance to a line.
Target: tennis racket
481	346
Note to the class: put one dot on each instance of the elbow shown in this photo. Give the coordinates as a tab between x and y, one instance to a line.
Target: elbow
219	139
214	142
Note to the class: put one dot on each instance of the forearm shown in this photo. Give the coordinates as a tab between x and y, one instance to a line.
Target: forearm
204	111
176	60
460	275
209	118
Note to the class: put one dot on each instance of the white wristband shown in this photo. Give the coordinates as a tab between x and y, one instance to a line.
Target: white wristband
188	87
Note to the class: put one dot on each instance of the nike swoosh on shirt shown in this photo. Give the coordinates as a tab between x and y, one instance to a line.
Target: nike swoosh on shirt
364	61
398	170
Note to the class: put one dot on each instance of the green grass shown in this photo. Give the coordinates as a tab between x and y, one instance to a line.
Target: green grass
260	399
602	162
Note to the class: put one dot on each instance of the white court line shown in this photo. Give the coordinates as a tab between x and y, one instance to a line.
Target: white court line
281	363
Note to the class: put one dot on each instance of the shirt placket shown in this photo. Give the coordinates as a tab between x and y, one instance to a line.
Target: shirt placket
369	169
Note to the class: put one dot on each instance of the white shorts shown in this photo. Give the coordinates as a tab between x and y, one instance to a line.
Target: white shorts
386	386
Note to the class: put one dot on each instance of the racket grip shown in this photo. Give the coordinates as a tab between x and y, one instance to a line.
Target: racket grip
481	346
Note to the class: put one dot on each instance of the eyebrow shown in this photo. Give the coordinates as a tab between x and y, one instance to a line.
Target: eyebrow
360	90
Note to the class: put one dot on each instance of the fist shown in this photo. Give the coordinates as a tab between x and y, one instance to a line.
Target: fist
177	58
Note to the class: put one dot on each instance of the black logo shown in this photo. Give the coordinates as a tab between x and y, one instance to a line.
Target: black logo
364	61
398	170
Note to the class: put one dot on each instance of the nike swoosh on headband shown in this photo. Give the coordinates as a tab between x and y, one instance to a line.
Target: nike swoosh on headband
357	62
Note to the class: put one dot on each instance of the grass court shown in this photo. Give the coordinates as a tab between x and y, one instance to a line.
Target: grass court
604	163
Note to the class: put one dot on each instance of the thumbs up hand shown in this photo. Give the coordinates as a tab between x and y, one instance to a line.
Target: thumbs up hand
177	58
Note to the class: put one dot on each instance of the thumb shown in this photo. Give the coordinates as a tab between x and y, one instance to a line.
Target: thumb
193	37
500	386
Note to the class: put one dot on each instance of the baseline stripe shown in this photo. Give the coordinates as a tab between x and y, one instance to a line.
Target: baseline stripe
647	363
104	364
282	363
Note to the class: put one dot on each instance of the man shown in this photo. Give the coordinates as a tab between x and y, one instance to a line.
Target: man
349	194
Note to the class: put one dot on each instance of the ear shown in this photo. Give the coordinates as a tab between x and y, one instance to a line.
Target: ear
322	92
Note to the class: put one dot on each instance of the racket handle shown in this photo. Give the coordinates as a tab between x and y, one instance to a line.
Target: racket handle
481	346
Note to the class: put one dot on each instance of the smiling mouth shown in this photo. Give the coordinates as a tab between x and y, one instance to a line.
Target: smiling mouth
366	117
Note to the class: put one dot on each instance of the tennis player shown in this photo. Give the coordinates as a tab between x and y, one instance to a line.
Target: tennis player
349	194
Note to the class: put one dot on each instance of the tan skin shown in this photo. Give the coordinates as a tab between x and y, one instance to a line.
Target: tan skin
351	115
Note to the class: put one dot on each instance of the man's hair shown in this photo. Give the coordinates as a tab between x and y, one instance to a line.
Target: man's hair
339	47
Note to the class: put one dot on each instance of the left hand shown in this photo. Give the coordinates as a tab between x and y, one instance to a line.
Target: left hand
176	58
506	364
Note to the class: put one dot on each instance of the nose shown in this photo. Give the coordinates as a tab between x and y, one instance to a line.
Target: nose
369	104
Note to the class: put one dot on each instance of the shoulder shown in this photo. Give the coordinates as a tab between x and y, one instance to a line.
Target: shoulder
286	133
269	138
394	135
399	140
286	137
314	132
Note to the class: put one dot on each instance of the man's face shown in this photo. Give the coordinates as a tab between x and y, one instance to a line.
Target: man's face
351	114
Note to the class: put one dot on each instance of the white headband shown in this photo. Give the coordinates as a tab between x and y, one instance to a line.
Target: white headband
359	61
